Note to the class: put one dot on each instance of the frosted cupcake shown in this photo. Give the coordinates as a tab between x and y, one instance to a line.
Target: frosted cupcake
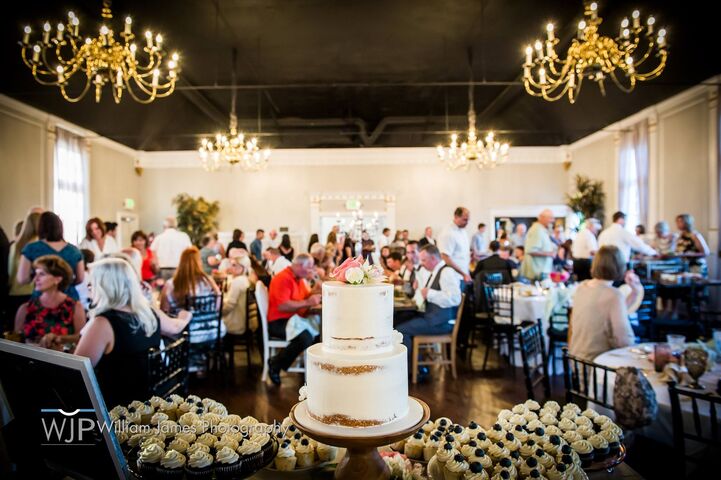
171	465
431	447
455	468
520	433
584	449
549	419
505	414
252	455
443	422
573	407
557	472
483	441
553	405
414	447
446	453
187	419
498	451
496	433
475	472
614	445
544	459
197	447
179	445
187	436
149	459
600	446
569	414
590	414
200	465
285	460
567	451
517	420
530	416
532	405
536	475
468	449
502	475
428	427
158	417
511	442
479	456
506	464
531	463
582	421
474	429
572	436
534	424
225	442
585	431
519	409
266	444
305	453
538	436
528	448
567	424
227	463
553	445
553	430
461	434
169	428
207	438
327	453
602	420
614	428
153	439
452	440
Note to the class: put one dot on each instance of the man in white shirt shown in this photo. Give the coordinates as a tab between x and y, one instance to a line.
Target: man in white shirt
168	246
272	240
385	238
276	262
479	246
454	245
626	241
584	247
437	299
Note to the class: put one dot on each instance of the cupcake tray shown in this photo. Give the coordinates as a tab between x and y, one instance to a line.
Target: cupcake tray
298	471
608	463
132	458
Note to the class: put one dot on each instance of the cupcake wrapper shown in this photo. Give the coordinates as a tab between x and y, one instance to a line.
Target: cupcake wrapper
600	453
169	473
268	451
252	462
223	470
146	469
206	472
614	447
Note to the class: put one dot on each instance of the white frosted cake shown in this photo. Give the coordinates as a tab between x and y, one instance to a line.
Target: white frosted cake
358	375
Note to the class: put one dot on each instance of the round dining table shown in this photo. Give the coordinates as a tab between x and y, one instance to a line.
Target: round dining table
639	356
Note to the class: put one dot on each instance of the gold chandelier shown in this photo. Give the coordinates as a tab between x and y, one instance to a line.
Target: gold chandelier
473	151
638	54
56	57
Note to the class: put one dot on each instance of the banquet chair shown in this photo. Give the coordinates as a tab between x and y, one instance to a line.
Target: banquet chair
581	379
557	334
704	431
233	343
646	313
168	368
435	347
535	362
271	346
206	329
502	324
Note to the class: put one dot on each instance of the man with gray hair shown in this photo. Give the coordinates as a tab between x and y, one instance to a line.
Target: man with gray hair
289	297
539	249
168	246
584	247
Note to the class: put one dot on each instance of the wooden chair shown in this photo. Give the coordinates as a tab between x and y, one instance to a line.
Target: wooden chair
706	433
646	313
532	347
501	298
271	346
435	347
233	343
206	329
578	373
557	334
168	368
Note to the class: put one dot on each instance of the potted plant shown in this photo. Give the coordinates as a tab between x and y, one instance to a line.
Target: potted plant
196	216
589	198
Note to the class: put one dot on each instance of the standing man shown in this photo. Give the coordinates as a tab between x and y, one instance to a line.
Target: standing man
454	245
427	238
385	239
479	246
256	246
584	247
272	241
539	249
289	295
626	241
168	246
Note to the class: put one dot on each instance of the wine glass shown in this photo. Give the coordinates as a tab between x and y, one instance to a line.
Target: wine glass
696	361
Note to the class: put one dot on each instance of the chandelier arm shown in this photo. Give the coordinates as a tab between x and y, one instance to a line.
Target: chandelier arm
655	72
621	86
80	96
552	98
138	99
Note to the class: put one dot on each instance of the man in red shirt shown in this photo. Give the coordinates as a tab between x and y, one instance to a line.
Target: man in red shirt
289	295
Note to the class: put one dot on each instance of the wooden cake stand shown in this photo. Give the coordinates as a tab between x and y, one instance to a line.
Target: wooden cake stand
362	459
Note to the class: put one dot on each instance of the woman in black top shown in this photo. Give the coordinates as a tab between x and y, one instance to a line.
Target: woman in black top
286	249
313	239
237	241
123	327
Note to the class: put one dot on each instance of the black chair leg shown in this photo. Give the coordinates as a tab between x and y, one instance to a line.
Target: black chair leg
489	346
552	355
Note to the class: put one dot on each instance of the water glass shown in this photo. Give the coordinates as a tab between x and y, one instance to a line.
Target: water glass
676	343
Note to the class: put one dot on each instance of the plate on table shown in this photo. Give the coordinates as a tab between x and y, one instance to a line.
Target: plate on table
300	472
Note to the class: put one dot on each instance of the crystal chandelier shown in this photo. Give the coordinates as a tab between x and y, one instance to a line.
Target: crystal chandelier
234	148
473	151
638	54
56	57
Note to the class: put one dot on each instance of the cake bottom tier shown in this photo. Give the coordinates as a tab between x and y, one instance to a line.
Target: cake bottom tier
355	391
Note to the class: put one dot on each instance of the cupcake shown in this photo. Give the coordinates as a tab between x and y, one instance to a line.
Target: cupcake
549	419
536	475
475	472
496	433
207	438
158	417
530	416
483	441
446	453
171	465
200	465
517	419
179	445
413	448
169	428
584	449
572	407
538	436
567	424
586	432
305	453
601	420
582	421
600	446
553	445
590	414
520	433
502	475
498	451
443	422
519	409
569	414
557	472
572	436
227	463
614	428
461	434
252	455
187	419
266	445
506	464
474	429
149	459
511	442
614	445
452	440
186	436
516	459
431	447
398	446
552	405
197	447
225	442
531	463
468	449
505	414
566	450
428	427
133	416
532	405
455	468
528	448
534	424
153	439
285	460
480	457
544	459
327	453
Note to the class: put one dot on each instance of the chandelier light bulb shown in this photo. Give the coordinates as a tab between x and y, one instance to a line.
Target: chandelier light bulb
27	29
624	23
128	20
662	32
104	30
594	6
538	45
581	24
46	26
75	21
651	21
175	56
629	60
636	14
158	39
549	27
61	27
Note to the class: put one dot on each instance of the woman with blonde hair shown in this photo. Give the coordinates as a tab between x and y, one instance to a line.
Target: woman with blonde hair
691	244
122	328
189	280
20	293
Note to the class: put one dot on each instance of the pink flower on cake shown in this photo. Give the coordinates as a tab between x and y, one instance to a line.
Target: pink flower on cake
340	271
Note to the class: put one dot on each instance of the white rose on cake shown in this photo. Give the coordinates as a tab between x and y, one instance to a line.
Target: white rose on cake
354	276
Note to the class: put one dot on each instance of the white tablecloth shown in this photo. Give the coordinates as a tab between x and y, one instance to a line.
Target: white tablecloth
662	429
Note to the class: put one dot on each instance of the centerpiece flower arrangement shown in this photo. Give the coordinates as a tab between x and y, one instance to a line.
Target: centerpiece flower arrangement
358	271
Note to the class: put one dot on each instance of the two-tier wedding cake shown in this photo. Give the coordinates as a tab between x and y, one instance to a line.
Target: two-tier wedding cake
358	375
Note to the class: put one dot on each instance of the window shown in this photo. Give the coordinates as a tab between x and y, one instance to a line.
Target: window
70	185
633	175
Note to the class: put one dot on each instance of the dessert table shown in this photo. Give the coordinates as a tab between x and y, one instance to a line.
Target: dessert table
637	356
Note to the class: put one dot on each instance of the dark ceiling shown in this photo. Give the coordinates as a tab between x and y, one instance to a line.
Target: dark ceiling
331	73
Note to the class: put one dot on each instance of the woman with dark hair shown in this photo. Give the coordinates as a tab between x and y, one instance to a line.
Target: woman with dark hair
691	244
50	232
313	239
52	318
97	240
286	249
150	268
259	272
19	293
237	241
189	279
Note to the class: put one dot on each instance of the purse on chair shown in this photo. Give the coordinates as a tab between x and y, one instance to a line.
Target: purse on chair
634	400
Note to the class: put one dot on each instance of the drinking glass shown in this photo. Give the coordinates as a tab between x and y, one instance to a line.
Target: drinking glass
696	360
676	343
661	356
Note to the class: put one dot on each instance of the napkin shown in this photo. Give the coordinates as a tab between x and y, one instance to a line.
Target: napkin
677	373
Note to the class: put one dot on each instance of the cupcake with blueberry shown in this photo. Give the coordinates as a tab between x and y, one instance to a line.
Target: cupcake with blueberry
483	441
536	475
305	452
506	464
227	463
544	459
511	442
285	460
479	456
172	465
520	433
474	429
414	447
528	448
468	449
498	451
461	434
149	458
531	463
475	472
502	475
538	436
446	453
452	440
584	449
455	468
553	445
444	422
566	450
600	446
496	433
431	447
557	472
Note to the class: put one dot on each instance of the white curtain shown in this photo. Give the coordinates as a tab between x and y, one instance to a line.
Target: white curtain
633	174
70	185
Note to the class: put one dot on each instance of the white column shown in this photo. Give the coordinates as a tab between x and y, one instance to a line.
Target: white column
47	178
612	205
654	198
713	179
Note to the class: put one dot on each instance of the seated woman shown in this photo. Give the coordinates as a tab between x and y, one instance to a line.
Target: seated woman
600	312
122	328
51	319
691	244
234	302
664	242
189	280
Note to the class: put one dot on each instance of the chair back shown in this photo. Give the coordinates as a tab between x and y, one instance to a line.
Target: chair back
168	368
252	314
704	430
706	305
457	321
494	278
586	380
501	298
261	300
535	362
558	321
206	326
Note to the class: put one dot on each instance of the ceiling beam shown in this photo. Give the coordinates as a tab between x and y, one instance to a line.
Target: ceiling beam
282	86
